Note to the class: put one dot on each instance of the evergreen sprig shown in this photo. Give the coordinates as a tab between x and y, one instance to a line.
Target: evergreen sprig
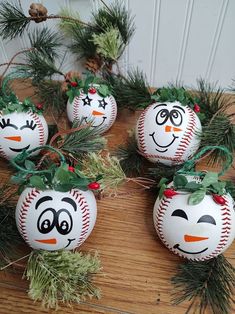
61	277
84	141
208	284
46	42
115	16
13	22
107	167
82	44
131	162
131	91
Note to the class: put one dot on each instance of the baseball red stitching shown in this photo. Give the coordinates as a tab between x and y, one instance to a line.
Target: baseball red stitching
113	112
38	121
76	106
26	202
140	131
85	214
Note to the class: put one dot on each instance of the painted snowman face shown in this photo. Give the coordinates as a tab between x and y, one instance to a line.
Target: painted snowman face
91	107
52	220
196	232
168	133
19	131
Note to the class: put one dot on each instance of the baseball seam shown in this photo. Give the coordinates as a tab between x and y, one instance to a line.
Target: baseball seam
37	120
85	215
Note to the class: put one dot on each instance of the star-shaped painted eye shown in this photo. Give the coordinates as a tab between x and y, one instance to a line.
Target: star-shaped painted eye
102	103
86	101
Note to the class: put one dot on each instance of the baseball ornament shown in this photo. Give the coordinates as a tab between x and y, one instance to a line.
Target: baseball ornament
21	131
93	108
52	220
168	132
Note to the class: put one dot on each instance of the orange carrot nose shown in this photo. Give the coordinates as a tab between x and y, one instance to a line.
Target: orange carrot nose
97	113
169	128
13	138
190	238
48	241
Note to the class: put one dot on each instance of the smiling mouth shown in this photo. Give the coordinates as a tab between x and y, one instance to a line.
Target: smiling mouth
177	246
18	150
69	240
95	126
163	146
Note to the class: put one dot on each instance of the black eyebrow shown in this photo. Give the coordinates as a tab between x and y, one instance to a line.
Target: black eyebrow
160	105
71	202
178	107
43	199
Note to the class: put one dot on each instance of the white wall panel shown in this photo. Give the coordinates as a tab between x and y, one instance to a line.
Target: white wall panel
175	40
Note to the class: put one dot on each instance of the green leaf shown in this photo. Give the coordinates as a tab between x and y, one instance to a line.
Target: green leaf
193	186
219	187
210	178
29	165
162	189
37	182
196	197
103	90
17	179
99	177
162	181
180	181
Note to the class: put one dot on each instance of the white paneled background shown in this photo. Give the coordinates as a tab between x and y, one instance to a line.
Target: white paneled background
175	40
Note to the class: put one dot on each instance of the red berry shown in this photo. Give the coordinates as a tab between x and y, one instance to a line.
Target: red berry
94	185
92	90
218	199
70	168
39	106
169	193
74	84
196	108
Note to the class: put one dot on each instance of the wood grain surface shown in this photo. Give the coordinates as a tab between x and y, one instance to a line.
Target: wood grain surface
137	268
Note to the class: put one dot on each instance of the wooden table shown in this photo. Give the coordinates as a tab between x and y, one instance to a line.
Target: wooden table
137	268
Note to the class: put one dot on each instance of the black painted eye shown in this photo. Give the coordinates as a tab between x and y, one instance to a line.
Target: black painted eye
32	125
176	117
179	213
162	116
6	122
46	221
102	103
208	219
86	101
64	221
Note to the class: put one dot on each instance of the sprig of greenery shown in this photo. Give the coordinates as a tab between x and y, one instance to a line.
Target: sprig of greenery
61	277
131	162
68	26
109	44
131	91
84	141
46	42
107	167
208	285
115	16
173	93
13	22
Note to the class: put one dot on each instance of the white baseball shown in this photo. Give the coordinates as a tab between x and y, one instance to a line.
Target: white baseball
168	133
21	130
100	111
196	232
52	220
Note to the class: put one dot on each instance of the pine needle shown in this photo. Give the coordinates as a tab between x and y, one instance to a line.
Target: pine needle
207	284
13	22
66	25
61	277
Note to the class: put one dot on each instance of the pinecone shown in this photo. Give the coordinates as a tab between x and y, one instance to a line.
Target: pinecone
69	76
93	64
38	11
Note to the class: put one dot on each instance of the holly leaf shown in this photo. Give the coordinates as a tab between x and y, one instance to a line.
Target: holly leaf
162	181
162	189
196	197
103	90
210	178
37	182
180	181
193	186
218	187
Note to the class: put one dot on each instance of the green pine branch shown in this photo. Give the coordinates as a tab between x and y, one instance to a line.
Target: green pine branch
61	277
13	22
131	91
208	284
